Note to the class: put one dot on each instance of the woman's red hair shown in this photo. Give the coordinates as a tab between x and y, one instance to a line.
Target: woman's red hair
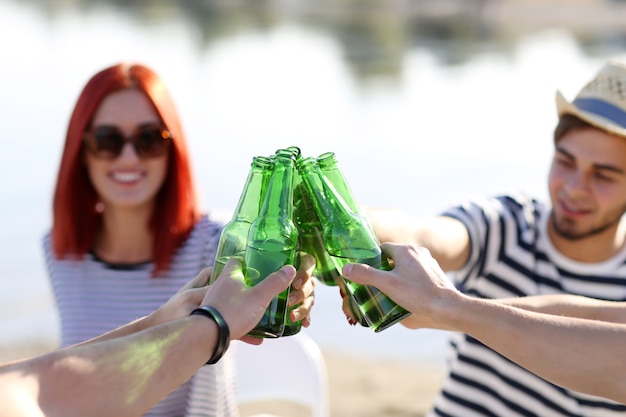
75	218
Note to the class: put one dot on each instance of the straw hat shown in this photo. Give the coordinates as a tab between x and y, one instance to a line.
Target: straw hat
602	102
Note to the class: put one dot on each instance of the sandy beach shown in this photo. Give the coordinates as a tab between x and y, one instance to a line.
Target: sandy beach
359	386
374	387
363	386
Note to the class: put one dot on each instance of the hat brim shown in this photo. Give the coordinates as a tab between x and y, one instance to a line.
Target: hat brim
565	107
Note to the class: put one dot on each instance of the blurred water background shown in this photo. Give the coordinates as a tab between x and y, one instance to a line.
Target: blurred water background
424	103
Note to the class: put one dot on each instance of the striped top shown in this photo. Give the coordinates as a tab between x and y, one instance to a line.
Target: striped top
94	297
510	256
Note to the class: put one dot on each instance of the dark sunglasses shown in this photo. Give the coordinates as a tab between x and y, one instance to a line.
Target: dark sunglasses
107	142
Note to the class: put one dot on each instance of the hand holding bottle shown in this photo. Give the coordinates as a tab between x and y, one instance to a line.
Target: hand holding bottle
230	295
348	237
416	282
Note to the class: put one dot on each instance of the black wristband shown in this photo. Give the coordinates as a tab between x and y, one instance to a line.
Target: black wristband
222	331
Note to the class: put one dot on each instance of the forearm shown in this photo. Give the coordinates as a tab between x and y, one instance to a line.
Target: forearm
572	306
446	238
556	348
121	377
138	325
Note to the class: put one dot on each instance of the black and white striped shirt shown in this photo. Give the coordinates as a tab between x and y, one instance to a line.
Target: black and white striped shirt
94	297
511	256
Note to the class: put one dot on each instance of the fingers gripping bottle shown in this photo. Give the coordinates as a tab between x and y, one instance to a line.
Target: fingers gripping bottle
349	238
272	242
234	236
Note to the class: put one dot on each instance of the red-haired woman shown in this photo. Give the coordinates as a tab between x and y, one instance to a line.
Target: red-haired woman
127	230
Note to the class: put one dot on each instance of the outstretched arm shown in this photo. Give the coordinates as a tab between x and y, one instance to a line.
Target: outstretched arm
126	375
446	238
554	347
572	306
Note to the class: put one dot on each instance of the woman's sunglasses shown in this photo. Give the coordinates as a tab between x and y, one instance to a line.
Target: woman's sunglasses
107	142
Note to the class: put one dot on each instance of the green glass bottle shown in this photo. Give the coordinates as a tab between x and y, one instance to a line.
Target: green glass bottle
234	236
272	242
292	327
311	233
329	166
327	163
348	238
312	236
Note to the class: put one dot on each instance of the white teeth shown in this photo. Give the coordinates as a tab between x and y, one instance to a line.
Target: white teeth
126	176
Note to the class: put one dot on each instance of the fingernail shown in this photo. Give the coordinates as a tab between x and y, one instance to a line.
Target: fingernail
288	270
292	299
296	284
347	268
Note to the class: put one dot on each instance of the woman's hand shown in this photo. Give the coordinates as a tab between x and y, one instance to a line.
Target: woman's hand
183	302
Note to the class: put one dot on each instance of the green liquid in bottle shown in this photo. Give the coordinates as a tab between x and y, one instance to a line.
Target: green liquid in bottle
261	260
265	258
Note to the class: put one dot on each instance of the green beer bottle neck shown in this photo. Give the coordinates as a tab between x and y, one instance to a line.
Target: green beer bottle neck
278	201
327	163
251	199
327	202
346	233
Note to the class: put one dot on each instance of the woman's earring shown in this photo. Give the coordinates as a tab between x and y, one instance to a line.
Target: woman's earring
99	207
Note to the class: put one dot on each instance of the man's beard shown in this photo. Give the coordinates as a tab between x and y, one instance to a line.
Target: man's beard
565	228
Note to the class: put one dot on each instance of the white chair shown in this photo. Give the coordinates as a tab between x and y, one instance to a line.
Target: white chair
289	368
